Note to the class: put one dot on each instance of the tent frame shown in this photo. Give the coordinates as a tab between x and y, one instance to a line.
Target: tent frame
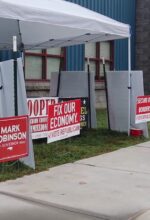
129	80
129	84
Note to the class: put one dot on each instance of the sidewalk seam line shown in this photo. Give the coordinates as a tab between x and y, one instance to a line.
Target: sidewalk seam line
115	169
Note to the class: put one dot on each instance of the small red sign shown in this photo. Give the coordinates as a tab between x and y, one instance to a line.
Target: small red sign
142	109
14	136
63	120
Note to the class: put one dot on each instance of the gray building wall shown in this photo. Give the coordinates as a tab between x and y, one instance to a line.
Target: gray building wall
40	89
143	40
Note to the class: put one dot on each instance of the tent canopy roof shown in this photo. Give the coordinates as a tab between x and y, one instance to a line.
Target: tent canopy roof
40	24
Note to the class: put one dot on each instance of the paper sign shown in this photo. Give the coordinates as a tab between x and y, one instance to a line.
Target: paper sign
63	120
14	136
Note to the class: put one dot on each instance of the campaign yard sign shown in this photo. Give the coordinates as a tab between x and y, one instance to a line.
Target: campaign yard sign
142	109
14	137
38	115
83	112
63	120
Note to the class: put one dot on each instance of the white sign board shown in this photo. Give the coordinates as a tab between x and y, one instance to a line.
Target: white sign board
117	84
38	115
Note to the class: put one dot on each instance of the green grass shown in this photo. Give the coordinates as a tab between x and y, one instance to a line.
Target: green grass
89	143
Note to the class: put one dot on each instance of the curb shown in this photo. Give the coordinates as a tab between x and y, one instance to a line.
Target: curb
57	206
140	215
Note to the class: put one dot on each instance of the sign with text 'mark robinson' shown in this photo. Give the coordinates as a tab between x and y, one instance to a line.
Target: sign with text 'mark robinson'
14	138
63	120
142	109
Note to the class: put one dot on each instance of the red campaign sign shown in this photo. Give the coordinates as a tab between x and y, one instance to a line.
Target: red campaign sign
38	115
142	109
63	120
14	138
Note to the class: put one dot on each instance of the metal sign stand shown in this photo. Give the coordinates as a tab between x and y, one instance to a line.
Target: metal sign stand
59	76
129	84
105	81
89	92
15	75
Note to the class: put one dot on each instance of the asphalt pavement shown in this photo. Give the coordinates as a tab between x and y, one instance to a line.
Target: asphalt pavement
113	186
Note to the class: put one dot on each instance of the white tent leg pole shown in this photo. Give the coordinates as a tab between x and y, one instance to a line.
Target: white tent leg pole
129	83
15	76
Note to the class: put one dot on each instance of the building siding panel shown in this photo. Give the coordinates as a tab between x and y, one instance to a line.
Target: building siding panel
121	10
75	58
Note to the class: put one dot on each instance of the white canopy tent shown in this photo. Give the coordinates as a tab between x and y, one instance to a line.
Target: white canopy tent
40	24
53	23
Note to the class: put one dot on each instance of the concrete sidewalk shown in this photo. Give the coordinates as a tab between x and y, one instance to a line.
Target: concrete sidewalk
113	186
